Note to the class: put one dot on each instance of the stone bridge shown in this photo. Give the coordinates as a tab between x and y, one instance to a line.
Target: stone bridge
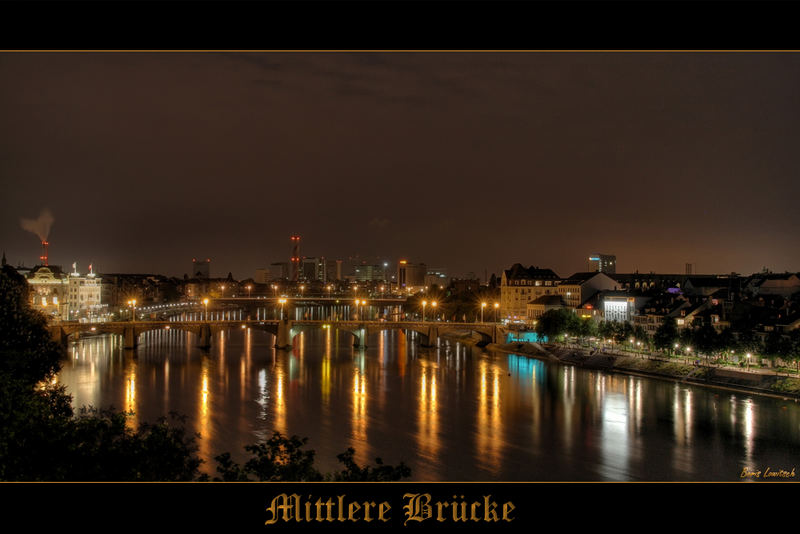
283	330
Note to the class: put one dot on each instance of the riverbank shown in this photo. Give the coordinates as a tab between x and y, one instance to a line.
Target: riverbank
465	339
719	377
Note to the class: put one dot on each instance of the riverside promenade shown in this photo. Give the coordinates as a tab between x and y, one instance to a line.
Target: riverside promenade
686	370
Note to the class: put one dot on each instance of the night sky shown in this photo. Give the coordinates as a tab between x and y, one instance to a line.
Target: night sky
469	161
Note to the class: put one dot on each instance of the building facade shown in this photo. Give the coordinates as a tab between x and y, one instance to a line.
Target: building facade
369	273
85	296
436	276
262	276
579	287
411	276
279	270
333	270
520	285
313	269
539	306
49	291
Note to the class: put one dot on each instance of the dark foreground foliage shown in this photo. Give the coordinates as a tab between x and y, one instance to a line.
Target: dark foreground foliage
282	458
42	439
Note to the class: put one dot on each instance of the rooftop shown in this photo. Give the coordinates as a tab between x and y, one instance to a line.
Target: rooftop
518	272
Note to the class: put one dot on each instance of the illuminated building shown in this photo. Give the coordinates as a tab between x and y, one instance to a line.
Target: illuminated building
49	291
84	294
119	288
369	273
539	306
436	276
410	275
579	287
520	285
603	263
621	306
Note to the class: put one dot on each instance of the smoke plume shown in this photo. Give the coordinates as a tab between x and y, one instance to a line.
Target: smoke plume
39	226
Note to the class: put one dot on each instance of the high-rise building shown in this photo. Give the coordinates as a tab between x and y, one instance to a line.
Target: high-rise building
279	270
369	272
333	270
262	276
296	259
602	263
410	275
313	269
201	269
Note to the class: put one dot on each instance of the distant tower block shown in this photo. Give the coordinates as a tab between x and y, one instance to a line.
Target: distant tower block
688	268
296	259
201	269
602	263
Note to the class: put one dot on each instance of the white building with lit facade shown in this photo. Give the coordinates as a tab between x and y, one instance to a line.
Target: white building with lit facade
84	296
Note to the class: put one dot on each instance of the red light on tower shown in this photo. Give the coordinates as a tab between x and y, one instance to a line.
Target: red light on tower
295	257
43	257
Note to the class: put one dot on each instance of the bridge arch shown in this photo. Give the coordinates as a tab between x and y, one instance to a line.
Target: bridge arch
359	334
75	333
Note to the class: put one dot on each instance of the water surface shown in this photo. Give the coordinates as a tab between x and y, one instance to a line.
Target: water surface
455	412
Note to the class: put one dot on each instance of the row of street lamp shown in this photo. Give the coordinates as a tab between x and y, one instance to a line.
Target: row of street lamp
358	303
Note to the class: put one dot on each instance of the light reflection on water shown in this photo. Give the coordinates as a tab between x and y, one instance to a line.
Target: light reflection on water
451	413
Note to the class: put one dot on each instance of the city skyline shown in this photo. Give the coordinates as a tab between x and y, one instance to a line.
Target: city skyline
473	161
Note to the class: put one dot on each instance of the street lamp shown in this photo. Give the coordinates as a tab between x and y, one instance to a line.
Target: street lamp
132	304
205	313
359	303
483	305
748	361
424	303
249	290
434	309
274	290
302	287
282	301
496	305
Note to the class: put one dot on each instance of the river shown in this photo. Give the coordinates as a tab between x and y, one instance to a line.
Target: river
452	413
